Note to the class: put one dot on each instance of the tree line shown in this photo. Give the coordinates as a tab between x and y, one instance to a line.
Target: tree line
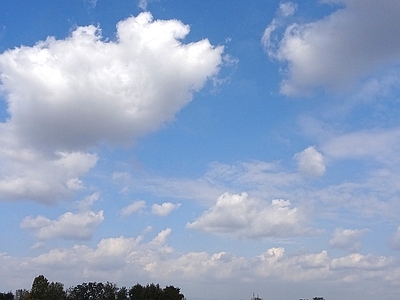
42	289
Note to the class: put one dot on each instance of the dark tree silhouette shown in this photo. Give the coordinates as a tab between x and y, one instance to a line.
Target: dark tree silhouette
42	289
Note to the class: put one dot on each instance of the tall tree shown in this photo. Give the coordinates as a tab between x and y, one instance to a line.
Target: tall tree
122	294
39	288
172	293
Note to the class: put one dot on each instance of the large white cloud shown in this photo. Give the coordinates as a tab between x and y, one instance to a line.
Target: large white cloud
80	91
67	96
358	38
244	217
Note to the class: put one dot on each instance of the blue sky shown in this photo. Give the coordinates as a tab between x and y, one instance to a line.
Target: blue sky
224	147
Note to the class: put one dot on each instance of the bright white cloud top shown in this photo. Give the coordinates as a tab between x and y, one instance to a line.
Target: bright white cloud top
248	218
222	147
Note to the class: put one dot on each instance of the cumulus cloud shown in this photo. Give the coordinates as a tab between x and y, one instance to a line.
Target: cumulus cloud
134	207
69	226
164	209
353	41
348	239
29	174
114	91
359	261
310	162
123	257
66	96
244	217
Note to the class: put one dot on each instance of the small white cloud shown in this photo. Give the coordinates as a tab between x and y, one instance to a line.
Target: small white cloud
310	162
69	226
132	208
87	202
287	9
143	4
164	209
243	217
348	239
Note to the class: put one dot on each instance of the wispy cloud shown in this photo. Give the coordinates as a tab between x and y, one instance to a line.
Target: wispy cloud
132	208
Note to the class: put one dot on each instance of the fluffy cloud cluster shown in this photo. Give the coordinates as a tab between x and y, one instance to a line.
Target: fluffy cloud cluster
66	96
356	39
125	258
244	217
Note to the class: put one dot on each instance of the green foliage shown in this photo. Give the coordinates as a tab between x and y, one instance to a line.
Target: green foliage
42	289
22	294
7	296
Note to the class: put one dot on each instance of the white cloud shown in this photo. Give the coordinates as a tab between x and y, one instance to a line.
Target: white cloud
124	258
66	96
144	3
133	207
359	261
382	145
114	91
87	202
348	239
352	42
164	209
310	162
285	10
28	174
69	226
243	217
